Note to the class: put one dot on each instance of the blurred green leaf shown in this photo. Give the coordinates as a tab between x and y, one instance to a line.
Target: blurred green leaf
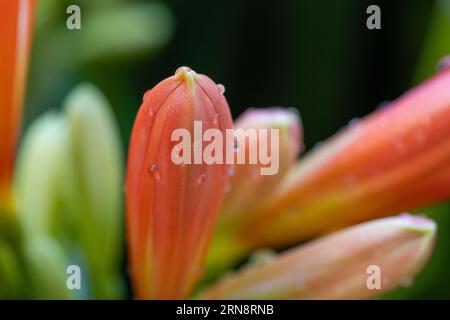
437	42
11	279
46	266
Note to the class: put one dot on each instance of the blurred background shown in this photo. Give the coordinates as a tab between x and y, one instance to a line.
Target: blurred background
316	56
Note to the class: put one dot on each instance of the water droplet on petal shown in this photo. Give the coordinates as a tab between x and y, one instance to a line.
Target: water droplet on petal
155	172
184	68
216	119
221	88
150	112
145	96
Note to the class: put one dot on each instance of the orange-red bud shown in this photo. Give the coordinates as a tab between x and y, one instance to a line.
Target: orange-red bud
15	33
171	208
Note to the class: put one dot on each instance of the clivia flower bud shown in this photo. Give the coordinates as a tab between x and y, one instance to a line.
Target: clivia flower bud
69	173
360	262
249	188
394	160
172	205
41	175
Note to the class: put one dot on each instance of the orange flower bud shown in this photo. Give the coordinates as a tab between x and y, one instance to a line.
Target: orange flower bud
248	187
356	263
172	207
393	160
15	33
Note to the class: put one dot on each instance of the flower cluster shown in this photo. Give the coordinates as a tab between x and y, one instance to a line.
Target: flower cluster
190	222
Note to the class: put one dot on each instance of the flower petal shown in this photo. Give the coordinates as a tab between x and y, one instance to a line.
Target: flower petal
356	263
248	187
15	34
391	161
171	208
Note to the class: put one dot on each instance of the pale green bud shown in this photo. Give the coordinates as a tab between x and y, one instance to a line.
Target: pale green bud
95	150
41	180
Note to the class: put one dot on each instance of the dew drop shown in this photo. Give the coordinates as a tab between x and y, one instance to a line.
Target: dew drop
155	172
216	119
221	88
146	95
184	68
150	112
